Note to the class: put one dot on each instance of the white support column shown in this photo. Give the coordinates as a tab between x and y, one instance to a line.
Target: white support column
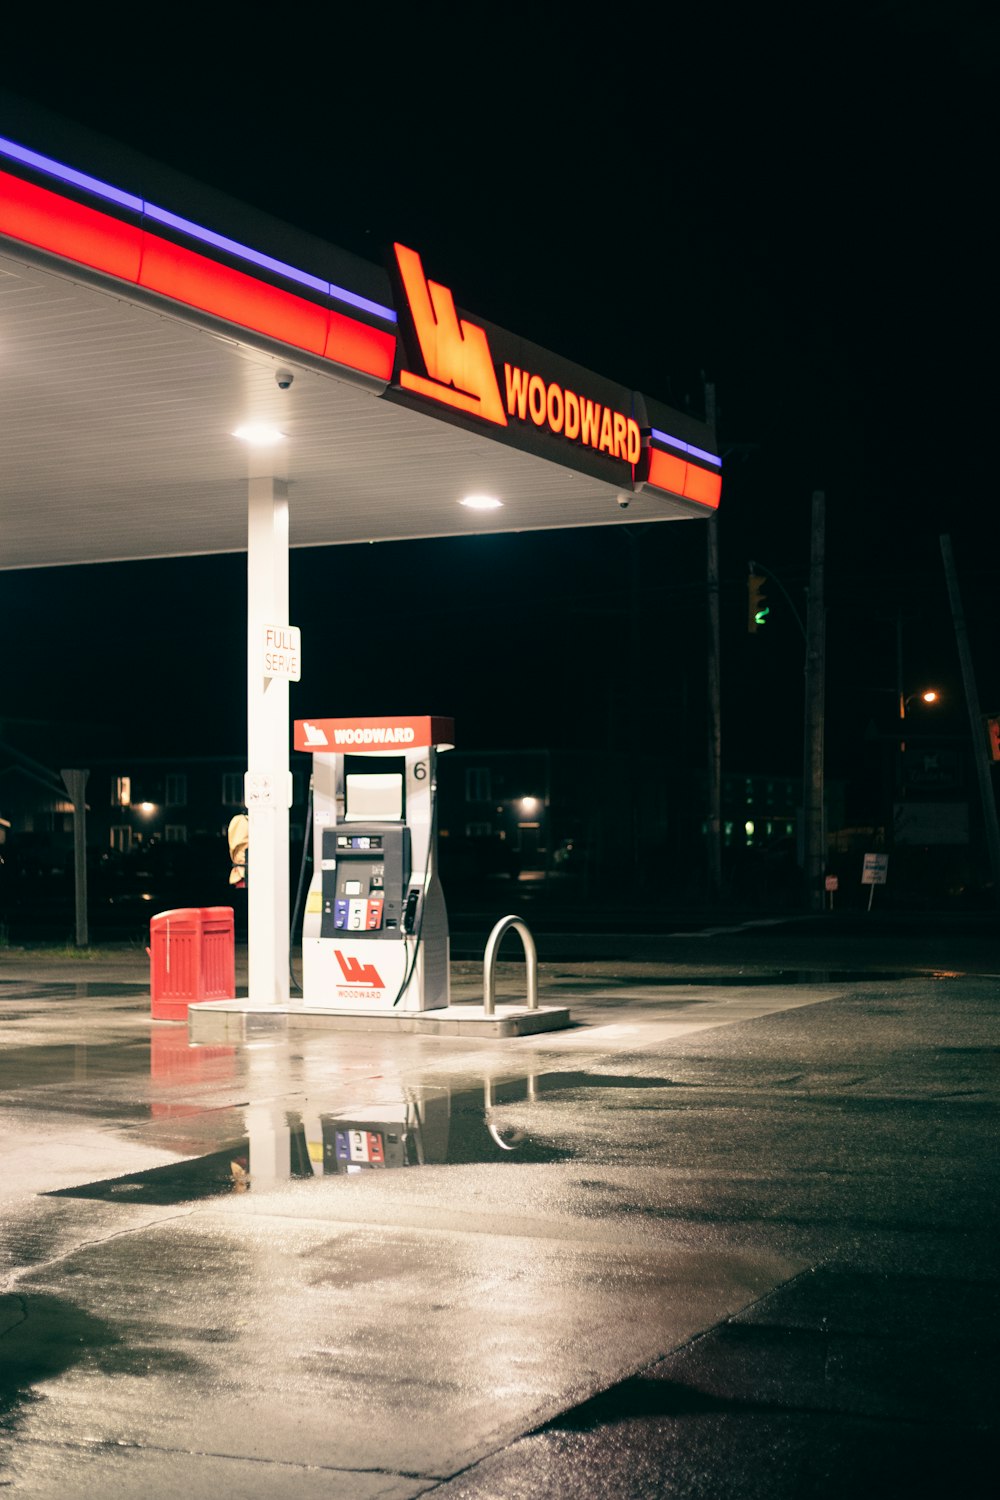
267	746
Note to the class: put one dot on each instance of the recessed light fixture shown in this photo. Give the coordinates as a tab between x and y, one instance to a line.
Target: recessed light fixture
481	502
259	434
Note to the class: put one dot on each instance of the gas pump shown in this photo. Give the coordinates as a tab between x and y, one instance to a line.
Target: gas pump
375	930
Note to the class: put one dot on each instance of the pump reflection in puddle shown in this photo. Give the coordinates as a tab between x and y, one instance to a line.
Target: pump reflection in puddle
424	1126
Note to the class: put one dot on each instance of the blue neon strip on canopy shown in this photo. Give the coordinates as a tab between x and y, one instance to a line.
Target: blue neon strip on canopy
672	442
63	173
222	242
67	174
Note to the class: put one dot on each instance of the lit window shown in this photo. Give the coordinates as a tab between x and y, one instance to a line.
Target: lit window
121	791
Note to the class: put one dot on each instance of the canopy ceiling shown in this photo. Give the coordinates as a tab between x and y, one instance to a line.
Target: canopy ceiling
118	410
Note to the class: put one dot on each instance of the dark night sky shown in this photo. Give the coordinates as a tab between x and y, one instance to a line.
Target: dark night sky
796	202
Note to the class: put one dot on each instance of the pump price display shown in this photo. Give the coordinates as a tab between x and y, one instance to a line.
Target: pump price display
359	841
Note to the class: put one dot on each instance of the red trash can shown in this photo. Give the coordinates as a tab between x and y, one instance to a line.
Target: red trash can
191	958
218	953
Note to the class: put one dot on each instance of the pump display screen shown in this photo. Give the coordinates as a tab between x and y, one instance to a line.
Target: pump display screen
362	841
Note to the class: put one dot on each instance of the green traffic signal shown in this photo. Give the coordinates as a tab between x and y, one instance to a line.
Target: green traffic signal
757	610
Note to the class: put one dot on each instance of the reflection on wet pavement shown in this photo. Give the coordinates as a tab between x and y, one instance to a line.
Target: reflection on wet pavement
63	989
425	1126
675	980
243	1299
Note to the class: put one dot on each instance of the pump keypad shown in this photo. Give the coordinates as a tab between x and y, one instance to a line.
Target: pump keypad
365	875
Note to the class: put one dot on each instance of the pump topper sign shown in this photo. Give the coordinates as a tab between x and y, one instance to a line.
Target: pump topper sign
460	372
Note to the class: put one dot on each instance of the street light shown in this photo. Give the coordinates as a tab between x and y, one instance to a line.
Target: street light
928	695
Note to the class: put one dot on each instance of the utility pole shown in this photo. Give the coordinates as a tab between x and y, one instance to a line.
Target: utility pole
76	785
979	751
812	772
714	808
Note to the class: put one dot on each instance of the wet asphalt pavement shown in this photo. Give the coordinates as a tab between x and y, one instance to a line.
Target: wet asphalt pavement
733	1234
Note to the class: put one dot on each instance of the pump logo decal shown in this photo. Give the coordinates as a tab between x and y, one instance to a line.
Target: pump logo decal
313	735
455	352
357	973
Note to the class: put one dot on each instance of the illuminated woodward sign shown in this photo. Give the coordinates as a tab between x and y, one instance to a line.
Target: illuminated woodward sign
562	410
461	373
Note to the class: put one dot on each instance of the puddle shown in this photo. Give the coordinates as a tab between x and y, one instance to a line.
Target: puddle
737	981
84	1068
77	989
211	1176
429	1126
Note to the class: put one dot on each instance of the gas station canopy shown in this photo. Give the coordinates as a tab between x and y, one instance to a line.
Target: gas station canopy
145	322
181	375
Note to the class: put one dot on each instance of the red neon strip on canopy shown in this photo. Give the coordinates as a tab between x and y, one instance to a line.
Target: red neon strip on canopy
174	272
39	217
667	472
703	486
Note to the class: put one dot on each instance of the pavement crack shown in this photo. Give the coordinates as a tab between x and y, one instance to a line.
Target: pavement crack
23	1272
127	1445
22	1308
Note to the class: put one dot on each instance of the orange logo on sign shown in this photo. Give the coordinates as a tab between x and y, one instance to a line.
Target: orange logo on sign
455	352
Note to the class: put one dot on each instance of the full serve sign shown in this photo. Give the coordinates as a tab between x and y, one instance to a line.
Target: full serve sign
282	656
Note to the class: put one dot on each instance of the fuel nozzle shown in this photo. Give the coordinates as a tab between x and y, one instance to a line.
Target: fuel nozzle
410	913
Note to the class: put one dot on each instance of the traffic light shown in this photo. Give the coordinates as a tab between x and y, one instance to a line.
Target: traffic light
239	838
757	610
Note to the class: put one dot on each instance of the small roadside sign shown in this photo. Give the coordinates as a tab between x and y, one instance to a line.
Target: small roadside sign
832	883
875	870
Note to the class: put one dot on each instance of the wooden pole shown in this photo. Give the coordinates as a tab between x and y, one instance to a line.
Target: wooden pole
815	693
